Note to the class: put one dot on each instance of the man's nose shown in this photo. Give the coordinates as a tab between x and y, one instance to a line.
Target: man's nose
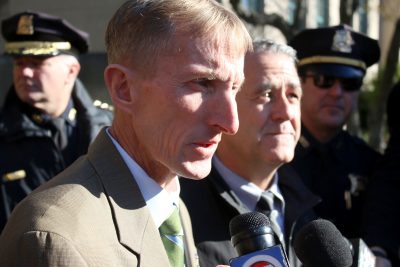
282	109
225	114
336	88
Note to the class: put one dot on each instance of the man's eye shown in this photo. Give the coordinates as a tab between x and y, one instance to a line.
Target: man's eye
295	92
31	64
203	82
294	96
236	88
267	94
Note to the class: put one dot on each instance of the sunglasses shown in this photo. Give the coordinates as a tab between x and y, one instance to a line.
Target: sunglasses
326	82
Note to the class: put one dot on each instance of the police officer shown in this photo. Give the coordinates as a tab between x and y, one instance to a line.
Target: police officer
334	164
48	118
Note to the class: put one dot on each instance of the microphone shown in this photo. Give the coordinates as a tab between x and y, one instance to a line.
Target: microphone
320	243
255	242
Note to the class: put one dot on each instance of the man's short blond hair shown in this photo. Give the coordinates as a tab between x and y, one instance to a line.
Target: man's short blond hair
141	30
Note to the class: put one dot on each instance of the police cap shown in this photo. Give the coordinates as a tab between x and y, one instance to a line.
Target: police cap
39	34
338	51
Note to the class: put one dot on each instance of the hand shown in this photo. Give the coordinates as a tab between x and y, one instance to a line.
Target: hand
382	262
380	257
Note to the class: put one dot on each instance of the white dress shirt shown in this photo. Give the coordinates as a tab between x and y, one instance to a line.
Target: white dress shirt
159	201
249	193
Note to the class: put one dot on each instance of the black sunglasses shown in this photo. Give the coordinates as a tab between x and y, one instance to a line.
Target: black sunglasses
326	82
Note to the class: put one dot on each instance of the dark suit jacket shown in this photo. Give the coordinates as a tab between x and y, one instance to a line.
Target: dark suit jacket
212	204
92	214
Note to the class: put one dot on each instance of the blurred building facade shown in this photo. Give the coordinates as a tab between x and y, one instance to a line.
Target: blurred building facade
89	15
375	18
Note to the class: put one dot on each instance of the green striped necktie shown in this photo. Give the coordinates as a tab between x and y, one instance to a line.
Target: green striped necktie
172	236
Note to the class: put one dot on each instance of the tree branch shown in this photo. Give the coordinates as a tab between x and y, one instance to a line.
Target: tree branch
264	19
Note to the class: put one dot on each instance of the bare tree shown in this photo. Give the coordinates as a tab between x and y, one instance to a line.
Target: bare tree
347	10
385	83
275	20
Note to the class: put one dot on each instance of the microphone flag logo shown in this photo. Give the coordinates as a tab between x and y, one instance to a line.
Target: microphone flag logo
269	257
262	261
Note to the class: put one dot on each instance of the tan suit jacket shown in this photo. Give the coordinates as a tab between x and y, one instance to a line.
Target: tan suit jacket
92	214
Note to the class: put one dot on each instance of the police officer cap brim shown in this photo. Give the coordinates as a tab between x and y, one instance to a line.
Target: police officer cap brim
39	34
336	70
336	50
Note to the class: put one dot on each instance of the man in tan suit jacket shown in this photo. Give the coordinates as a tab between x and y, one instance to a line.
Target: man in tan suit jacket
175	67
93	214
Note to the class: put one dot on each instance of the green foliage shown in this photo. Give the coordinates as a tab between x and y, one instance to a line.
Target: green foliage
372	105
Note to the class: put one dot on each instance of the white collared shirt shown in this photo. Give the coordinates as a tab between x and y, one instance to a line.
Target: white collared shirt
249	193
159	201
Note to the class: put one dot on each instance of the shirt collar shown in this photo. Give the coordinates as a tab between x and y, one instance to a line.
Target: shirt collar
247	192
160	202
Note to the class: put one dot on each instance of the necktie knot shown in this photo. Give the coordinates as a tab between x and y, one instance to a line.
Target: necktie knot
265	203
172	225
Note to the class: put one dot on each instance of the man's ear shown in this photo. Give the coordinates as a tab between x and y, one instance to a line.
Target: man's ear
116	78
73	69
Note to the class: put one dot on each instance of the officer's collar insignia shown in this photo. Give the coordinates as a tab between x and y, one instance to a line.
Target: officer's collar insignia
72	114
38	118
25	25
342	41
304	142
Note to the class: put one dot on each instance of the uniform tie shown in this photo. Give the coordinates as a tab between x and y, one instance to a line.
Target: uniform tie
60	133
172	236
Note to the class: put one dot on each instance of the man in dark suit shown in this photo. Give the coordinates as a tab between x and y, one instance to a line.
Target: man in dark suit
246	168
48	119
175	67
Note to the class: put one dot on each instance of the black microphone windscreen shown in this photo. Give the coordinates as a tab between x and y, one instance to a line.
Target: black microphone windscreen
320	243
251	232
250	220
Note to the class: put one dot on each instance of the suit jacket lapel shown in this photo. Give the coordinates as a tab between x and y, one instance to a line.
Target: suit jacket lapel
133	223
226	192
191	256
298	198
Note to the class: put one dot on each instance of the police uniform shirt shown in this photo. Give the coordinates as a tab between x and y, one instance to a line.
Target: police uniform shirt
337	172
62	129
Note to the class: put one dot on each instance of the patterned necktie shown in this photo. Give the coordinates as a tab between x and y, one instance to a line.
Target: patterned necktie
265	205
172	236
